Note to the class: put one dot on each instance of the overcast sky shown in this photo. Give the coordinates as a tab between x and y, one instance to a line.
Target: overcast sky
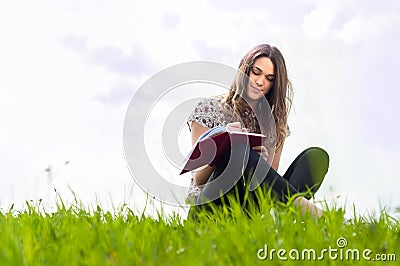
69	70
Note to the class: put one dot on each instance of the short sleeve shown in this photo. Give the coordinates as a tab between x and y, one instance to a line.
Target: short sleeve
207	113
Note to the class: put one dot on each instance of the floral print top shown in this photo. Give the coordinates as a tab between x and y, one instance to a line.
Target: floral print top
208	113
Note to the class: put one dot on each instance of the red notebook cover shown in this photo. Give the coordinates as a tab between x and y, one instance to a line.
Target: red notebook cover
213	144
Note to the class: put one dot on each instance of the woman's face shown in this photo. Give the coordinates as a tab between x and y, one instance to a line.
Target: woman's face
262	77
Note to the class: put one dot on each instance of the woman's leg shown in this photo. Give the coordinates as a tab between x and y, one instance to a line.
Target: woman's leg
308	170
233	173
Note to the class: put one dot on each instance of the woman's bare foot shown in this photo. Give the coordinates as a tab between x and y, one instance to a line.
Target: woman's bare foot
307	206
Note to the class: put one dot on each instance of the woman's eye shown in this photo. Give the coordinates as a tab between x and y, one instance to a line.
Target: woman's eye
271	77
256	71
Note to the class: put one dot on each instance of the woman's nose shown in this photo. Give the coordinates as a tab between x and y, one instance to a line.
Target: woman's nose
259	81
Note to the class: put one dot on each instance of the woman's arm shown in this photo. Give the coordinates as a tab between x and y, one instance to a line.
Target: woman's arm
200	176
277	159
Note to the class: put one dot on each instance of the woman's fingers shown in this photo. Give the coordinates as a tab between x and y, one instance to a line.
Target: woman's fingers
235	126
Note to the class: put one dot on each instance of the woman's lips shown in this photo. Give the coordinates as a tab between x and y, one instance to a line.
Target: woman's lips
255	88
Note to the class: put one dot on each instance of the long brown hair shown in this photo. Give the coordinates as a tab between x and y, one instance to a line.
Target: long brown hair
279	97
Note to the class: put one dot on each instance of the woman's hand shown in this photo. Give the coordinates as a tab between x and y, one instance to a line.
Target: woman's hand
262	151
235	126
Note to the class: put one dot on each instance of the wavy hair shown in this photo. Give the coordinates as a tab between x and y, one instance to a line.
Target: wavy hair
279	98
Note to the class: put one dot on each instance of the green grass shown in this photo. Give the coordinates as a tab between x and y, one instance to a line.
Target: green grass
73	235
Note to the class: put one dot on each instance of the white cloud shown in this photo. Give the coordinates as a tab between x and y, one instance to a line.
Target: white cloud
318	22
364	28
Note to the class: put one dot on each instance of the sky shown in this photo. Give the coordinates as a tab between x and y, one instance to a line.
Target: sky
69	70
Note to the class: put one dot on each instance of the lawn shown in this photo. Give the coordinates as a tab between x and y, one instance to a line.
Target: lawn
275	234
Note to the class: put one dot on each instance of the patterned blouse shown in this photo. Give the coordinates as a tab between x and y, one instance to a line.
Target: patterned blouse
207	113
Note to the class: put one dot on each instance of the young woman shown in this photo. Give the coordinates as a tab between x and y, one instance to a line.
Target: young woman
258	101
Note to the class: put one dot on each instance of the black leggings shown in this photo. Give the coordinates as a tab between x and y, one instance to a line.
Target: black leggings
231	175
